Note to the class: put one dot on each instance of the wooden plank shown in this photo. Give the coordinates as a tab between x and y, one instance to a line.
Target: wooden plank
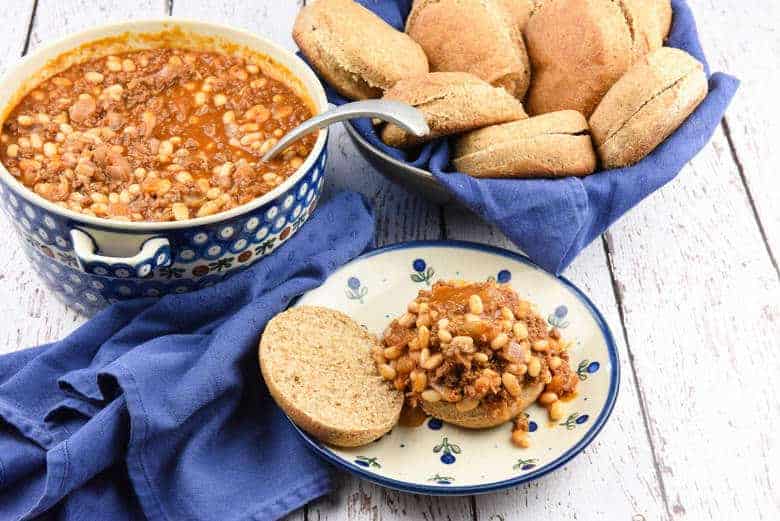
701	302
57	18
14	35
356	500
265	17
619	464
742	38
16	280
13	40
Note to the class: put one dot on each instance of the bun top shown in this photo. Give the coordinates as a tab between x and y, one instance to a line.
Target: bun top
561	122
656	72
452	102
520	10
578	49
475	36
354	49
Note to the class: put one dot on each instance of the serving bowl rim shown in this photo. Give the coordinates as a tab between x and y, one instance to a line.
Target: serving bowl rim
284	58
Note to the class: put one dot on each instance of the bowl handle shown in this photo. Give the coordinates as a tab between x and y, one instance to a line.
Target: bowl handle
154	253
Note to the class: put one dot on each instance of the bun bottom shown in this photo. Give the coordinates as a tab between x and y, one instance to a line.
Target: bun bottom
480	418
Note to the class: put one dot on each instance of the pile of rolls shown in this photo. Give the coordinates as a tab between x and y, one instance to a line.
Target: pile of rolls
529	88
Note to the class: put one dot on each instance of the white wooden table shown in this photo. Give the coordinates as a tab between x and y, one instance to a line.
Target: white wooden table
688	281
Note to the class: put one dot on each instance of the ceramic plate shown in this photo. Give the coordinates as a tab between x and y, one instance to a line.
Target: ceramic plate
438	458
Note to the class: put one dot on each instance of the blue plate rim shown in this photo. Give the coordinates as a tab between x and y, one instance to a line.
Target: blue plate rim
576	449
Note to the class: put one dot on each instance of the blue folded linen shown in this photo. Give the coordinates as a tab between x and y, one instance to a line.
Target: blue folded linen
552	220
155	409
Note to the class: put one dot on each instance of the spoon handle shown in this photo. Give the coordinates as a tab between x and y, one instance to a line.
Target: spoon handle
401	114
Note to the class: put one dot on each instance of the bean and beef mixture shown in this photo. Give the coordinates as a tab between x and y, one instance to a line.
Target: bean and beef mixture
475	343
154	135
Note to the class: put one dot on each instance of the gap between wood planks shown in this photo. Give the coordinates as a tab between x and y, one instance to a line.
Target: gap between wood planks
743	179
27	38
606	243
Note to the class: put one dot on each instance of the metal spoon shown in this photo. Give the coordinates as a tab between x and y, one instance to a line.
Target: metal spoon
403	115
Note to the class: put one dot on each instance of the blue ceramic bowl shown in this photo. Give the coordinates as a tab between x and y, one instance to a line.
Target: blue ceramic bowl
92	262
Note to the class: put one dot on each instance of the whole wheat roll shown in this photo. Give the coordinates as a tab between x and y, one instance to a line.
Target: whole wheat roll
520	11
318	367
452	102
646	105
356	52
663	13
480	37
550	145
649	22
579	48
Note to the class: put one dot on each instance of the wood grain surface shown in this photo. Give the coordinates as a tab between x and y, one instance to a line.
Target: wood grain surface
749	50
688	281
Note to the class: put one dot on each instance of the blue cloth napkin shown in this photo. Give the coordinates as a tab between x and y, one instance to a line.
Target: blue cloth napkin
155	409
552	220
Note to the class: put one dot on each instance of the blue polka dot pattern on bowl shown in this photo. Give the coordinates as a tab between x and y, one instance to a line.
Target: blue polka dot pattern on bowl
197	257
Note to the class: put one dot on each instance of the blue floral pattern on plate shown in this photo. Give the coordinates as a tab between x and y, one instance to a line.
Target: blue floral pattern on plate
447	450
466	461
587	368
441	480
355	290
573	420
558	317
367	462
422	272
525	464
